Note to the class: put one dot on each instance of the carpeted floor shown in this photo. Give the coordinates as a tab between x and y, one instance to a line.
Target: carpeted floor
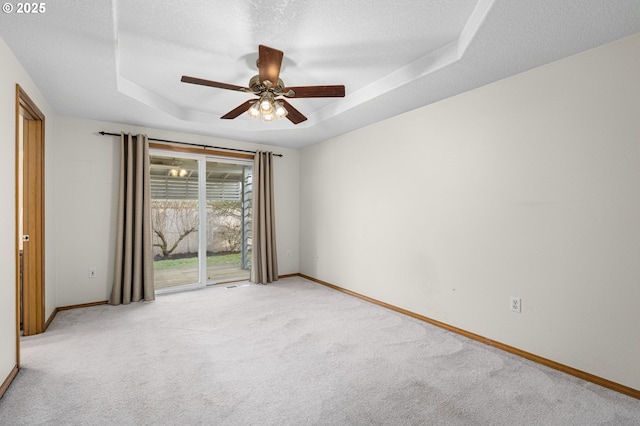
289	353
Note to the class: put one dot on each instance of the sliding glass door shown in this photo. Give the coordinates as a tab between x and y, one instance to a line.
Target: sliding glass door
229	221
175	220
201	219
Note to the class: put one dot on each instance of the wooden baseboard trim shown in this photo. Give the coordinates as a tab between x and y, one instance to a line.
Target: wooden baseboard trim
50	320
66	308
82	305
5	385
635	393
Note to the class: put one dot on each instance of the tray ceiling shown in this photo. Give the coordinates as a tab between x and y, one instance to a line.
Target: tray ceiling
121	61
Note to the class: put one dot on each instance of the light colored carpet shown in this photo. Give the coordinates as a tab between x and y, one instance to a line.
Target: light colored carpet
289	353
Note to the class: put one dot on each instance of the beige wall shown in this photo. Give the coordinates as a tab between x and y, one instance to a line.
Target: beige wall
11	72
86	182
527	187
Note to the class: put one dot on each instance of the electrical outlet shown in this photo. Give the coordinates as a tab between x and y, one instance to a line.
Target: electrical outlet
92	272
516	304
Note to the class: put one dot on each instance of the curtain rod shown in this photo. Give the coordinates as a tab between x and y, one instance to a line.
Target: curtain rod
191	144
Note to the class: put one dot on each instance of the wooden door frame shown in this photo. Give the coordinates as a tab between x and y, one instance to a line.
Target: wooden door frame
33	189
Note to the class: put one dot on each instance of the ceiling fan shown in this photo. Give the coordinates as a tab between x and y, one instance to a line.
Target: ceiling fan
270	89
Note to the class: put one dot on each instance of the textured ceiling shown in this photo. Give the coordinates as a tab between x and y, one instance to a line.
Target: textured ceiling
122	60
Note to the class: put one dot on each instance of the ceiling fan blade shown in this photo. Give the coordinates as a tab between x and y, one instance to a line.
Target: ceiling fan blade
238	110
293	115
202	82
336	91
269	62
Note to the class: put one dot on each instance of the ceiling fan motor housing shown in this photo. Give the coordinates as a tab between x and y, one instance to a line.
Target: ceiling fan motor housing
258	86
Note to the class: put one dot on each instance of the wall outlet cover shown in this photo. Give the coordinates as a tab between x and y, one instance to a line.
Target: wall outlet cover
516	304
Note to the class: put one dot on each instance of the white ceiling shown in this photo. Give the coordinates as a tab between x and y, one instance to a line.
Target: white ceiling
121	61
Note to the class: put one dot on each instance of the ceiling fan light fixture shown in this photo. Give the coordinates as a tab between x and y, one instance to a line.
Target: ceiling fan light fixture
254	110
268	117
268	108
178	172
281	111
266	104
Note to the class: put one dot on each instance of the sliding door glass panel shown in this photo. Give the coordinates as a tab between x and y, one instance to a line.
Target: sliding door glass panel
228	221
174	220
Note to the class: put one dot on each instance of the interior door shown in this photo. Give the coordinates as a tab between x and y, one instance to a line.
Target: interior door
30	214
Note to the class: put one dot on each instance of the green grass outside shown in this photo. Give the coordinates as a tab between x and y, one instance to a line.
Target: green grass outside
187	262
